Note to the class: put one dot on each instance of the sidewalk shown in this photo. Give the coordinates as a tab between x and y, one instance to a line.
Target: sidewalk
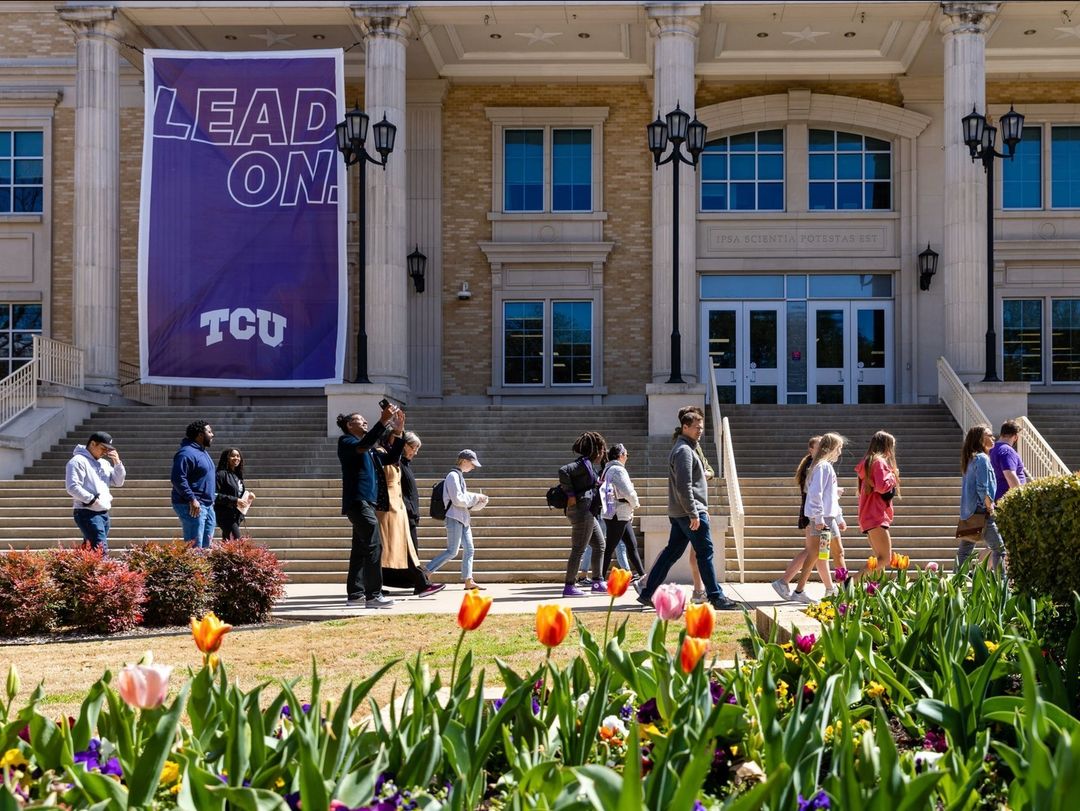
317	602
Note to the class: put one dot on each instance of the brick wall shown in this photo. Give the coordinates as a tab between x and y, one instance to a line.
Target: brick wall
885	91
1029	91
63	225
131	139
467	178
33	34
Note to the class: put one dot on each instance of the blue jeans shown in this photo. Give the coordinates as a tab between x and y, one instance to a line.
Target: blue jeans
94	526
620	556
457	534
993	540
701	540
198	531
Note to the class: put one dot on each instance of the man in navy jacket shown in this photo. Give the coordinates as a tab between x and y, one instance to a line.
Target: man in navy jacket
194	485
359	491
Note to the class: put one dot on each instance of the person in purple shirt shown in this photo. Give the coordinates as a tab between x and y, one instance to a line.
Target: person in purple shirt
1008	467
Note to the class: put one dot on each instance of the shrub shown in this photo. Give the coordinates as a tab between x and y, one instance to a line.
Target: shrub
100	594
179	582
1040	523
29	597
248	580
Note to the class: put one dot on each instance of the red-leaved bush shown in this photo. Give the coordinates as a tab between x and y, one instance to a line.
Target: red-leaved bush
179	582
29	597
248	580
100	594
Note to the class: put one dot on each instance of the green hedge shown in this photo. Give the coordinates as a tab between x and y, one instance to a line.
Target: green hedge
1040	523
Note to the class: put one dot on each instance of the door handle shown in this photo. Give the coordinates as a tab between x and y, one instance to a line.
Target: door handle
753	376
860	376
733	378
840	377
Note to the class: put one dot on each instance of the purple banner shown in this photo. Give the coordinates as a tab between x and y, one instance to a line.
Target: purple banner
242	272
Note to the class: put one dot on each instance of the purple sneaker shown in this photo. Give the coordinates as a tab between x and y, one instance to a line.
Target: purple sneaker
572	591
599	587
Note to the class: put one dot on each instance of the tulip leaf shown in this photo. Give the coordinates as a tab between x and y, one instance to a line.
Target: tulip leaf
313	792
86	723
238	745
7	800
196	789
144	781
47	741
600	785
100	788
252	799
357	787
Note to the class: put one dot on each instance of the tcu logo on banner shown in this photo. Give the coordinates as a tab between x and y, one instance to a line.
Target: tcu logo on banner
242	272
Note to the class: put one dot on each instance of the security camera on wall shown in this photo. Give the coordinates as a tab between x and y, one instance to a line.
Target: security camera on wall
464	294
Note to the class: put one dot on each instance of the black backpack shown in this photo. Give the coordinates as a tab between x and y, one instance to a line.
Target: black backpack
556	498
438	507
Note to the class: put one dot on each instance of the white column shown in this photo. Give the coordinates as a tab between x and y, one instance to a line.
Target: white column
674	27
425	230
96	272
386	31
963	270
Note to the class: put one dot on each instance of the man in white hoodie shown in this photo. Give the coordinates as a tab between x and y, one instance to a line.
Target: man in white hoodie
91	471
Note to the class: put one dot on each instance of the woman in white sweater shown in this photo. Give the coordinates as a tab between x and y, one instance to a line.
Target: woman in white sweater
619	522
822	508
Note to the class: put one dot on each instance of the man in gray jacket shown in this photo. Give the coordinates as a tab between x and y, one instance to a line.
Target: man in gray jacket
688	512
91	471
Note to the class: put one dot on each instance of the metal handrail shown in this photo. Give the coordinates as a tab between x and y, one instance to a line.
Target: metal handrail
1035	452
955	395
735	502
133	388
18	392
59	363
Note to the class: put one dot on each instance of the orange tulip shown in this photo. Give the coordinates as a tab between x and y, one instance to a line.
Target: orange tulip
618	581
900	561
473	610
871	563
552	624
208	632
692	651
699	620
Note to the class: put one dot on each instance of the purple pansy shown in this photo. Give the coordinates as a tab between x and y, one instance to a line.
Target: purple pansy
647	713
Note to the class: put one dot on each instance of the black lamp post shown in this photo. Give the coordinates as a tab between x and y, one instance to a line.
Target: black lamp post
416	264
927	267
351	134
678	129
979	136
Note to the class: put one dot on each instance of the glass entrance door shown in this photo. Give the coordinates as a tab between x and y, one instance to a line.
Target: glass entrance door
743	341
851	357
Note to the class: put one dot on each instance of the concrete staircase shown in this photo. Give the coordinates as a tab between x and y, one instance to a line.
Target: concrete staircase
293	469
769	441
1060	426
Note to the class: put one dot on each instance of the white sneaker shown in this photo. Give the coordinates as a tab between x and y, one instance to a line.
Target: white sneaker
830	593
380	601
355	602
781	587
801	597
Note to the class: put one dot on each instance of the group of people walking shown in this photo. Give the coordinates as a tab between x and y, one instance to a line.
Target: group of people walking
989	468
204	495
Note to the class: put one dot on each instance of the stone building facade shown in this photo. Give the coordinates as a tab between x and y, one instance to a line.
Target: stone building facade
834	158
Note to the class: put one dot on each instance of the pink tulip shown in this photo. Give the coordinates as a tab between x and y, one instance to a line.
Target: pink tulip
932	566
805	643
144	686
669	601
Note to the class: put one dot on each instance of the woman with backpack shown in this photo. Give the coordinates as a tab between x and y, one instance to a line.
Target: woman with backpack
580	482
458	502
822	507
619	502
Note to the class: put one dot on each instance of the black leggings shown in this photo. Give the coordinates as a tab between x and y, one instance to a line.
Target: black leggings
621	532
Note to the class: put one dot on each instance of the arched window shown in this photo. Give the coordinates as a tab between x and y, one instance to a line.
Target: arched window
744	172
849	171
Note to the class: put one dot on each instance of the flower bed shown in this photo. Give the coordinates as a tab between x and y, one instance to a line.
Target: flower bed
931	693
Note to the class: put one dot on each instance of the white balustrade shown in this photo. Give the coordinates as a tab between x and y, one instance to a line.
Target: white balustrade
58	363
955	395
1035	452
18	392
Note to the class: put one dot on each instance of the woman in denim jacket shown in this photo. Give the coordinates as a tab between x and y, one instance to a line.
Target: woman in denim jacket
977	494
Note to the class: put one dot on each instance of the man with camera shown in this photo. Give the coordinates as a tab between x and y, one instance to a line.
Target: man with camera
359	492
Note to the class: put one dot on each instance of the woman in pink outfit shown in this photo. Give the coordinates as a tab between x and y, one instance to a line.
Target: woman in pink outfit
879	484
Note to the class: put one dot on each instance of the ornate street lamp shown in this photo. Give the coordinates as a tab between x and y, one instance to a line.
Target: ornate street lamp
677	130
351	135
980	137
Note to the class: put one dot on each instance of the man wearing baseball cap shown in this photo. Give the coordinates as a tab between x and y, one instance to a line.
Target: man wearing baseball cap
91	471
459	502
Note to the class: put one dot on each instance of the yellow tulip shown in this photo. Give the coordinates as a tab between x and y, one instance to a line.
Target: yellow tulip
208	632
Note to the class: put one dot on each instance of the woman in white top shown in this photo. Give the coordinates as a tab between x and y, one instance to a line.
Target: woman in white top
458	525
619	526
822	506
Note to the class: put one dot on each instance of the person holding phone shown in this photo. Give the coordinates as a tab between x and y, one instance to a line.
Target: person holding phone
91	471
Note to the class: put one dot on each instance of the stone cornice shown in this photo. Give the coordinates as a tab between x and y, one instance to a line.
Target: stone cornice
385	20
94	21
30	96
967	17
426	91
546	253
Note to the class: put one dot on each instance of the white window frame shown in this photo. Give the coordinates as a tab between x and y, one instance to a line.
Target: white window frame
863	182
783	153
1046	117
547	119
